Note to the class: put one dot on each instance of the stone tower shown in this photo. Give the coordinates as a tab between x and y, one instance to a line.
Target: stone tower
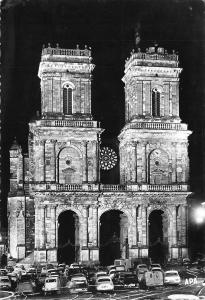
154	142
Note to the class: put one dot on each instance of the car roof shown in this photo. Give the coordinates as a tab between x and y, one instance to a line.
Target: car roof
171	271
103	277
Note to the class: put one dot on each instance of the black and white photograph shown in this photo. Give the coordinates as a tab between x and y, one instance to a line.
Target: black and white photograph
102	149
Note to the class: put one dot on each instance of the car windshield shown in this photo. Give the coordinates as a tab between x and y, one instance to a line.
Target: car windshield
171	274
104	280
50	280
4	280
78	279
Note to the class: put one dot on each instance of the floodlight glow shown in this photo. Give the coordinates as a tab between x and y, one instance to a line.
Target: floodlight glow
199	215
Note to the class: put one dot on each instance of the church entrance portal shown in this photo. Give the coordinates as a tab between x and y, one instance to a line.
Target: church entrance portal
158	236
68	237
113	236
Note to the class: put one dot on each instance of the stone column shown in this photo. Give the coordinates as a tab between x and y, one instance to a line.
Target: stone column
145	171
174	226
84	228
170	99
42	226
139	163
184	225
139	224
37	220
123	234
42	161
53	161
85	163
133	160
53	227
134	226
174	163
95	226
144	225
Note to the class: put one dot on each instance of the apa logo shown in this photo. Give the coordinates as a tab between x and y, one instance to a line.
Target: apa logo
190	281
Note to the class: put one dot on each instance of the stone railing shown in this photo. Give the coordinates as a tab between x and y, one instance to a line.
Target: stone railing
156	125
67	52
70	123
172	58
113	187
89	187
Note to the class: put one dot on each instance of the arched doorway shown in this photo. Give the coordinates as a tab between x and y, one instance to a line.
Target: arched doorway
158	236
113	236
68	237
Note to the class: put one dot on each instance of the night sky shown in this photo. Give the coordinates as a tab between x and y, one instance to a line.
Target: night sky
110	28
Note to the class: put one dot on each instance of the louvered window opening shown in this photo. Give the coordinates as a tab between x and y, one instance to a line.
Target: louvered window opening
67	100
155	103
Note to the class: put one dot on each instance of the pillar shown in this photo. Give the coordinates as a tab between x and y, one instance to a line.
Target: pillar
42	226
85	163
95	226
133	160
174	226
53	227
84	228
83	235
123	235
42	161
134	226
37	218
184	225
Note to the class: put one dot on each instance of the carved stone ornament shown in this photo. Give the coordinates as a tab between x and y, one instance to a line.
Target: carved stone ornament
116	203
158	200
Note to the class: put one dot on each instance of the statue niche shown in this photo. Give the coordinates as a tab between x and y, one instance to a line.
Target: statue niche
158	167
69	166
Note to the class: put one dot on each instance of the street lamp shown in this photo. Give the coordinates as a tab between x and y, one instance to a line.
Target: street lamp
199	214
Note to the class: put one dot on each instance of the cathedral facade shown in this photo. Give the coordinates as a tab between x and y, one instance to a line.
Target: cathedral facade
58	210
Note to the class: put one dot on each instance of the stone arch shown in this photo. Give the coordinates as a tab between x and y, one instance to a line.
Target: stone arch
69	165
68	235
61	209
113	235
158	219
159	171
69	83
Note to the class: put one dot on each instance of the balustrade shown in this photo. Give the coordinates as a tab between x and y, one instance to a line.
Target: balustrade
155	125
69	123
110	187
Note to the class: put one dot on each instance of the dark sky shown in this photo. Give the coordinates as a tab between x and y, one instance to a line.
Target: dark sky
109	28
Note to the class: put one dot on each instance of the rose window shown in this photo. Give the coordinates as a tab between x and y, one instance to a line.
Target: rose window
108	158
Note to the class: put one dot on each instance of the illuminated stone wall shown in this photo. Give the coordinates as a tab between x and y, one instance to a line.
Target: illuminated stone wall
61	170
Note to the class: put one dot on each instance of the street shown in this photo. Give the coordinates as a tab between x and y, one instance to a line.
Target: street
158	293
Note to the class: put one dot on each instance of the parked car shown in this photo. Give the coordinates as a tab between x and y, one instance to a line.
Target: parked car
142	267
3	272
183	297
155	266
171	277
77	284
5	283
52	284
140	270
104	284
150	279
26	286
112	273
128	279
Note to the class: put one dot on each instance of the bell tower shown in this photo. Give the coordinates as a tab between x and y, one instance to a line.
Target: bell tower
153	142
66	83
64	142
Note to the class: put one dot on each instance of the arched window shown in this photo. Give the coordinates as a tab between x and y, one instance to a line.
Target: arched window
67	99
155	103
